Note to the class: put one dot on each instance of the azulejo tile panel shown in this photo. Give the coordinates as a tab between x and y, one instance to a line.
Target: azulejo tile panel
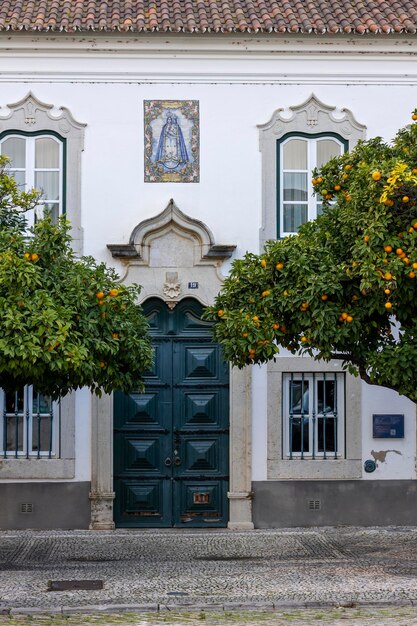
172	141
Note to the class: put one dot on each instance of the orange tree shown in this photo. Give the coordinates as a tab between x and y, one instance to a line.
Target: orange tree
344	287
65	322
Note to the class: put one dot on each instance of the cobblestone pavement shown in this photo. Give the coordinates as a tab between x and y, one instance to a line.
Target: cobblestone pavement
162	571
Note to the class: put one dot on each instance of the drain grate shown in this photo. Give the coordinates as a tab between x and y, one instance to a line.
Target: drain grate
71	585
314	505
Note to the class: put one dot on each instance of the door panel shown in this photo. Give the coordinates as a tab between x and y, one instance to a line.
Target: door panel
171	442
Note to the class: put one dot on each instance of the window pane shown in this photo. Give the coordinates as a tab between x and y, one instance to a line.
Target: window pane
20	178
295	155
41	433
46	153
15	149
327	149
326	434
53	209
48	184
294	216
14	402
41	403
300	432
325	396
295	187
298	397
14	439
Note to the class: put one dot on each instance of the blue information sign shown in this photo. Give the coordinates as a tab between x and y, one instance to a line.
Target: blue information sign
388	426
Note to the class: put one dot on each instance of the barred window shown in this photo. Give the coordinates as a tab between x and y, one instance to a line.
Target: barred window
314	410
29	424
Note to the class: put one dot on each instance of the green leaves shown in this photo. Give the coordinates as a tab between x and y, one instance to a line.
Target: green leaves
345	287
55	333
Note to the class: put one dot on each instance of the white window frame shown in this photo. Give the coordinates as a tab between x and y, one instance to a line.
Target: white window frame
310	118
312	200
30	170
28	416
313	416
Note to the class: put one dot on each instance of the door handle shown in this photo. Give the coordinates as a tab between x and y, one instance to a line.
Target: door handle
168	462
177	461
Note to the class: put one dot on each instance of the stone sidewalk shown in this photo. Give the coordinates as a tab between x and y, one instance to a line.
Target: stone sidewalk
155	570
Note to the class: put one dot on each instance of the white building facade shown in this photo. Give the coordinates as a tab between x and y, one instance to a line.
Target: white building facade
85	94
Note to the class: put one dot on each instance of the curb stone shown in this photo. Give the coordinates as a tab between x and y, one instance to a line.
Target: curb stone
232	606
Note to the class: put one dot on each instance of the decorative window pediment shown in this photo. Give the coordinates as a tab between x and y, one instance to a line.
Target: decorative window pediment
32	119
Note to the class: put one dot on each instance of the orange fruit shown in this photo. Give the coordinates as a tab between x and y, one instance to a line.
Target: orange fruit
412	274
345	176
344	315
304	339
245	334
376	175
264	262
99	295
324	192
387	291
275	326
388	248
279	266
354	297
349	319
406	260
388	305
265	293
414	117
27	256
405	199
102	364
348	167
255	318
337	187
115	335
319	180
114	292
414	266
366	238
324	297
399	251
35	257
415	225
387	276
220	312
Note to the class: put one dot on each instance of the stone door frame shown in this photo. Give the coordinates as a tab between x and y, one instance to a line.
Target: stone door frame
166	254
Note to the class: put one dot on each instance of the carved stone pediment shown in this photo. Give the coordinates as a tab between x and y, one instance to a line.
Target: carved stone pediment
173	256
31	114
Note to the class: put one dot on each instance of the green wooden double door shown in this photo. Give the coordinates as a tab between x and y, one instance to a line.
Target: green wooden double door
171	442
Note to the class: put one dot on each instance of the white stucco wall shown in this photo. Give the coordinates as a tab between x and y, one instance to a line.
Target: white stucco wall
399	462
239	83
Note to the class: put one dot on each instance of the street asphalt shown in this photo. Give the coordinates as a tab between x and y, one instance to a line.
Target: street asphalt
216	570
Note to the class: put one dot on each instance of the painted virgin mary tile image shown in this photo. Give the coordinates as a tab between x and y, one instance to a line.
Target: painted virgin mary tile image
172	135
